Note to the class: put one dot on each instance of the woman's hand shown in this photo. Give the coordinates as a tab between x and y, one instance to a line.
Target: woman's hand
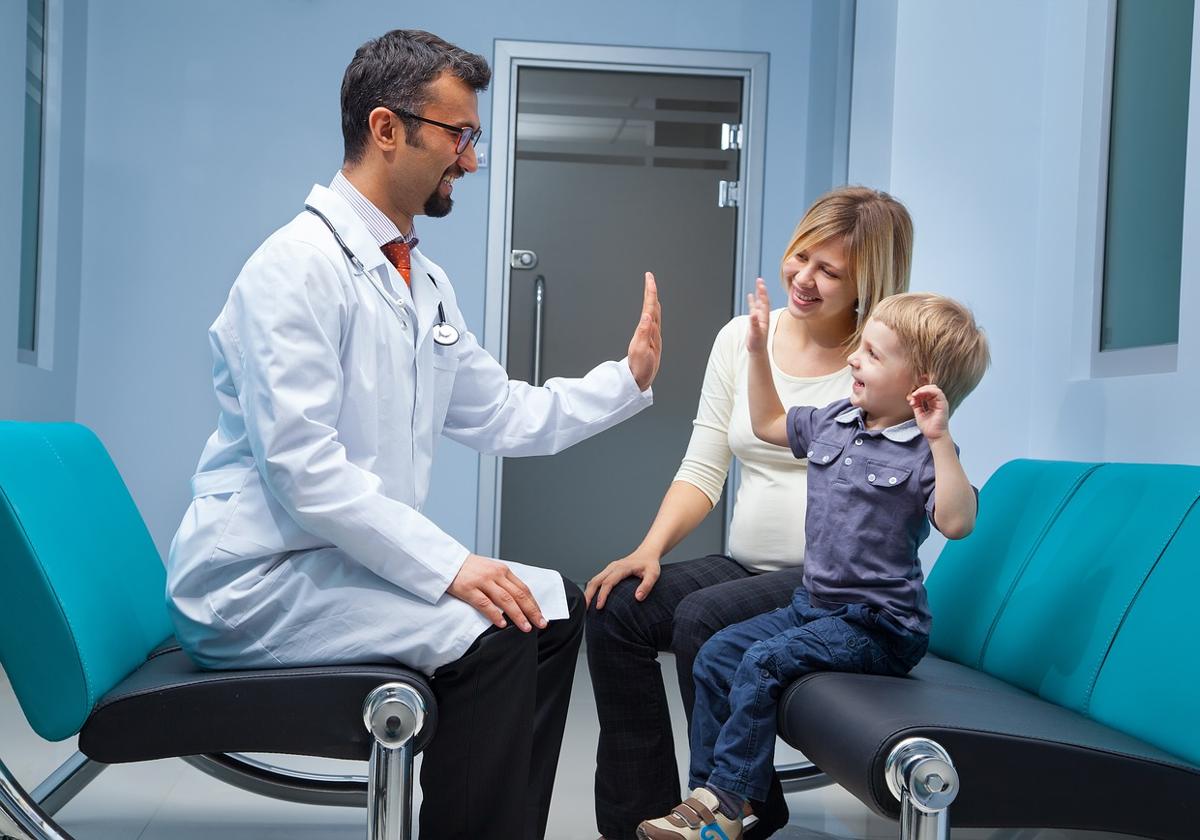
641	563
759	306
931	410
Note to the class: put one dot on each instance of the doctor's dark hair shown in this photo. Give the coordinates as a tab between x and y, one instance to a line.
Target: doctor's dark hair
394	71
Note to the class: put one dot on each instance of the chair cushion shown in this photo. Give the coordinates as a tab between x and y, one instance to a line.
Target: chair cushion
1062	617
169	707
81	595
973	579
1022	760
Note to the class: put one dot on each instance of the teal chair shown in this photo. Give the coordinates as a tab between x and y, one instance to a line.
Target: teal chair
86	643
1062	684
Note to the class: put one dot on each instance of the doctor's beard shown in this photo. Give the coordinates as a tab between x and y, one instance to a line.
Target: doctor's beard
436	206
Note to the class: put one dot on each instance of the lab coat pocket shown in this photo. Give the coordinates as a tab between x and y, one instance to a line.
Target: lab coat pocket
445	367
248	580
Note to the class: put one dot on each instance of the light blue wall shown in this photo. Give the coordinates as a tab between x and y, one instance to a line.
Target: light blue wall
990	130
29	392
208	122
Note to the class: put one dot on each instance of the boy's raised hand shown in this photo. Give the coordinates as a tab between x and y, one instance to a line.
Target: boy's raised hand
931	410
759	306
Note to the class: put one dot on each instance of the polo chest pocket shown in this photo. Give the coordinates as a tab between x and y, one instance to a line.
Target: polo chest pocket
879	474
822	454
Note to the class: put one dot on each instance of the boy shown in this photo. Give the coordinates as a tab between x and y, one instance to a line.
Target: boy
877	463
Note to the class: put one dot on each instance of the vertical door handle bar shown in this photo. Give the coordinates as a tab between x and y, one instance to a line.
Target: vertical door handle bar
539	300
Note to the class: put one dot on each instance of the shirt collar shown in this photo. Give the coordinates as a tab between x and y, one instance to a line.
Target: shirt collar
900	433
383	230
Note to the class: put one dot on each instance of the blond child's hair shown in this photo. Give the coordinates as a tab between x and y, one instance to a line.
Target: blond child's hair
941	339
878	235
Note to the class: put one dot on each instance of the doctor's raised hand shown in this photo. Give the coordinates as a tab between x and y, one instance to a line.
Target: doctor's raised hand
645	349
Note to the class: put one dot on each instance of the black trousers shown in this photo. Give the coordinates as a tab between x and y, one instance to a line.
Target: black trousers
502	708
637	777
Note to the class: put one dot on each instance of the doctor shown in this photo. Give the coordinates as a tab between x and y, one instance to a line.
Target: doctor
339	357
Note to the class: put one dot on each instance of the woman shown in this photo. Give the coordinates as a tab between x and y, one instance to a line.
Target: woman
852	248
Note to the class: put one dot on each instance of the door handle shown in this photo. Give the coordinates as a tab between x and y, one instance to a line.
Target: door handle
523	259
539	301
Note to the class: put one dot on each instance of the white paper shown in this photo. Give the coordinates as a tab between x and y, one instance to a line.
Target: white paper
546	586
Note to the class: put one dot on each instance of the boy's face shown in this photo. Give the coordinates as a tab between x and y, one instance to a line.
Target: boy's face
883	376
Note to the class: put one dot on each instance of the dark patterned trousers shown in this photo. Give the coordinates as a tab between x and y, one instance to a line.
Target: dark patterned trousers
637	777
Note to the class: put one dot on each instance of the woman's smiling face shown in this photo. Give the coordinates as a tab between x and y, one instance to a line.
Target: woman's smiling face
818	284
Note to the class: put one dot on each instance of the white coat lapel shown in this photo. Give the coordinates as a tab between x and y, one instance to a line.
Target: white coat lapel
359	240
426	295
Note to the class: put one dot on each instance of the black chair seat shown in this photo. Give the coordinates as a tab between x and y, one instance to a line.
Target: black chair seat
169	707
1023	762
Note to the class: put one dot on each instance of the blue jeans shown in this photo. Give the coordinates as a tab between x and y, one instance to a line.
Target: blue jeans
741	672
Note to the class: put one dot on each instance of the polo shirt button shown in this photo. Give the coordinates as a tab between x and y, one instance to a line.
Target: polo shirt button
404	325
849	461
892	480
871	477
858	441
825	460
810	453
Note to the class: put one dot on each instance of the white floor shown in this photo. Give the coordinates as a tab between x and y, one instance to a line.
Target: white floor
168	800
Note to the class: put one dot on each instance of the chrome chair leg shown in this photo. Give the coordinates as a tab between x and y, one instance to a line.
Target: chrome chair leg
20	815
394	713
921	776
802	776
65	783
284	784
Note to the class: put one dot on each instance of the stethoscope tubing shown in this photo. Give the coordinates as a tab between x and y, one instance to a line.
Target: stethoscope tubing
443	333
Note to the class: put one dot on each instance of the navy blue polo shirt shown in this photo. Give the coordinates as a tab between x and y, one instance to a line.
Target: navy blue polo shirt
870	502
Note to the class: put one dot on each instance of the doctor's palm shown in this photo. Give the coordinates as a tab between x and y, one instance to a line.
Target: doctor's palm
645	349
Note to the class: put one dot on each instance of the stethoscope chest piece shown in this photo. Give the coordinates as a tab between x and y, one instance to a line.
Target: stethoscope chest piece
445	334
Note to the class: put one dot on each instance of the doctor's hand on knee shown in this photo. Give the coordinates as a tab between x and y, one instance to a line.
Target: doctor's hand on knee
645	350
492	588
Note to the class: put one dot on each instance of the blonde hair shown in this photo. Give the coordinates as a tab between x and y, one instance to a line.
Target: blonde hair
940	338
878	236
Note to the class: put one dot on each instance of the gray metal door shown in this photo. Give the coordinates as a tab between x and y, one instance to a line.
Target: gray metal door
615	174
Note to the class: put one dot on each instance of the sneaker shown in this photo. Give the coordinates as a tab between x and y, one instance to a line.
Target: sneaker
696	818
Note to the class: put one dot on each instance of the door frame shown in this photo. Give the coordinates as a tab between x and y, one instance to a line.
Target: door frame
511	55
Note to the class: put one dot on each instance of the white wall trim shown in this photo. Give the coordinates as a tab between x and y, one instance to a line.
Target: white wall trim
1089	361
42	355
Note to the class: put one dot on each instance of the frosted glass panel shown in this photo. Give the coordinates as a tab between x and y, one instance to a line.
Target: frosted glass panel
1147	161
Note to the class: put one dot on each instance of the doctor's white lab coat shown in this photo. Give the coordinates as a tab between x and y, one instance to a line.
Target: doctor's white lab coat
305	542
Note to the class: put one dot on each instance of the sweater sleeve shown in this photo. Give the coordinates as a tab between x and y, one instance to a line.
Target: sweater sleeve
706	462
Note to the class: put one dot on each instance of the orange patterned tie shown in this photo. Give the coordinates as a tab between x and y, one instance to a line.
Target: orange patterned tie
397	253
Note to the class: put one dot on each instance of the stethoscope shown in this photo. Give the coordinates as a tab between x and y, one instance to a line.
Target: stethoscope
443	333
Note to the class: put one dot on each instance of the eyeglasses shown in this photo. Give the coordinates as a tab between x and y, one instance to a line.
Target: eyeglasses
467	136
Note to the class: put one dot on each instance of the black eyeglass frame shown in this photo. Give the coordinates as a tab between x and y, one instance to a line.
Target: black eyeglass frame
466	134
